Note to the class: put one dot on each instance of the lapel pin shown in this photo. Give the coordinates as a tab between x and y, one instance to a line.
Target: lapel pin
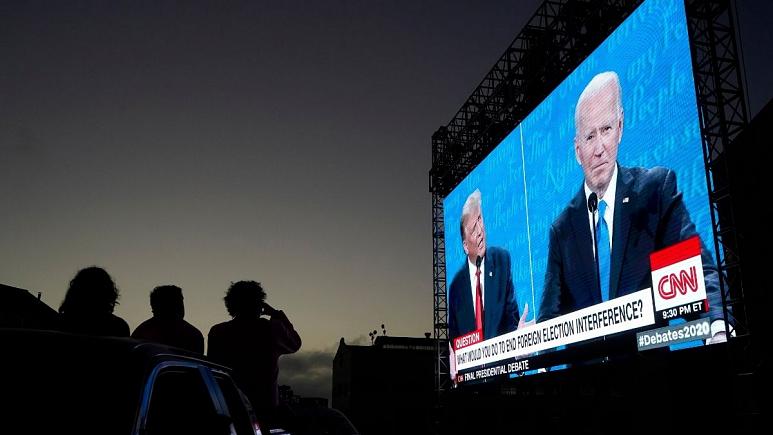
490	273
625	200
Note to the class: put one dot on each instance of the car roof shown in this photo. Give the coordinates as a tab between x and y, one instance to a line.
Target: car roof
28	343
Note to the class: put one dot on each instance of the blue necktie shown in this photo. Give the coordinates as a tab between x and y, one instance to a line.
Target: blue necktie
602	230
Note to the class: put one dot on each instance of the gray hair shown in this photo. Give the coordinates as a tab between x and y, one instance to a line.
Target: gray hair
597	83
474	202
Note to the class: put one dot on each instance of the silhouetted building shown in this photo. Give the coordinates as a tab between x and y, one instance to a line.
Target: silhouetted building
309	415
288	397
312	402
749	159
388	387
20	309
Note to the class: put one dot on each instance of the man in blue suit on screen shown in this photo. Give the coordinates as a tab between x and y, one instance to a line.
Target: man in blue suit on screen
642	212
481	295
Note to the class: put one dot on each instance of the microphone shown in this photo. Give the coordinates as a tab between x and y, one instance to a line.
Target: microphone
593	202
478	260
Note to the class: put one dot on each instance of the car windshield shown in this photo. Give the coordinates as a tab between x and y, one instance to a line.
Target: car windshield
58	387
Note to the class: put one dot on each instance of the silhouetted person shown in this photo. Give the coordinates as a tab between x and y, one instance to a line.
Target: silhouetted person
89	303
251	345
167	325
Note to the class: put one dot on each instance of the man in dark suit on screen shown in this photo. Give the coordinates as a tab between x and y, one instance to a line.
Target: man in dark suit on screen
639	211
481	295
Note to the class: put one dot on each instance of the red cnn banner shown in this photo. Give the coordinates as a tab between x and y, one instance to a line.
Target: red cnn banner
468	339
677	274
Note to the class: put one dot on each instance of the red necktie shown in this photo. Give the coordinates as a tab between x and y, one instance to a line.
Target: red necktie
478	303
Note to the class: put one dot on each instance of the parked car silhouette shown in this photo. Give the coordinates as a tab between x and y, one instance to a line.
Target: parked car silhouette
63	383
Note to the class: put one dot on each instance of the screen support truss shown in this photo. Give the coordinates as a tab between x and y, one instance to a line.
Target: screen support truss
723	113
723	116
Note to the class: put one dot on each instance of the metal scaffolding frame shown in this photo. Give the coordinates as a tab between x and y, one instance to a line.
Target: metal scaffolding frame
557	38
723	113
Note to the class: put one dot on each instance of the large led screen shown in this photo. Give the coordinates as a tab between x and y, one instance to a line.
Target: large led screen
588	226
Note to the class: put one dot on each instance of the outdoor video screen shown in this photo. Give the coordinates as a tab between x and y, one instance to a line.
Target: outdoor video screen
586	233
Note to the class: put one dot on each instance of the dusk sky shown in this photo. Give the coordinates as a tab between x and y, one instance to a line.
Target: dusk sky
199	143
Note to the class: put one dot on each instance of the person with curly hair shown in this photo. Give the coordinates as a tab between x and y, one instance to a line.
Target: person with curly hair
251	345
89	303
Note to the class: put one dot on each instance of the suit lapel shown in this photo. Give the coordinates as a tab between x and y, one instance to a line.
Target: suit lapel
490	296
466	306
582	242
622	223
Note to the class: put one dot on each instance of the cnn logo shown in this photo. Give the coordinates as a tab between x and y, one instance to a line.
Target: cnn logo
677	275
672	284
